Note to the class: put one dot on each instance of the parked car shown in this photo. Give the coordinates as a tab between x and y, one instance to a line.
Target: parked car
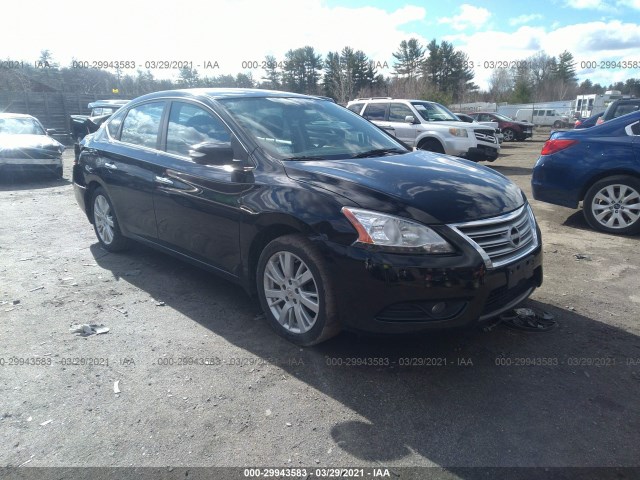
82	125
546	117
599	166
618	108
429	126
25	145
511	129
588	122
463	117
327	218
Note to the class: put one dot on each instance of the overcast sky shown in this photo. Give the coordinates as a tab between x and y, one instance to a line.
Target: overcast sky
232	31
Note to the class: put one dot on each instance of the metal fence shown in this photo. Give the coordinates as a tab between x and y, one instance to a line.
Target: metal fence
51	108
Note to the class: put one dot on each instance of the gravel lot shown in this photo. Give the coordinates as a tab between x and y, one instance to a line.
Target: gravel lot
204	382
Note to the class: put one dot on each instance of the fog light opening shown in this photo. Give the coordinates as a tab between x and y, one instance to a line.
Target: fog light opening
438	308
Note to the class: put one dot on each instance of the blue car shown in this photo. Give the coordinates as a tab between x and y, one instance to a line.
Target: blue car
599	166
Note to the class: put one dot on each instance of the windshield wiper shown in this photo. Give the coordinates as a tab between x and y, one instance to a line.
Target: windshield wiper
379	152
302	157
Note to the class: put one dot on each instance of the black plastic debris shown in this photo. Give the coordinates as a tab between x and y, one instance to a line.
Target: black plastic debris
528	319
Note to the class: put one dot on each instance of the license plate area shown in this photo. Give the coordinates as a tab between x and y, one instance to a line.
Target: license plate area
519	271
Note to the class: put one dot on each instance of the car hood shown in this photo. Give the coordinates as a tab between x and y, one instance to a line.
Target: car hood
17	142
429	187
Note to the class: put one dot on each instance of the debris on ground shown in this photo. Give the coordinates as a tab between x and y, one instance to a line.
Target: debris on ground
160	304
37	288
123	312
528	319
116	386
86	330
580	256
46	423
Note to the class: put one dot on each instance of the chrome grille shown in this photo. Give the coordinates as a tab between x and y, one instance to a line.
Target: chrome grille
504	239
485	135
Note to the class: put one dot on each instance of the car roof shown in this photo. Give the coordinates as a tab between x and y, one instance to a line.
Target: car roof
224	93
108	103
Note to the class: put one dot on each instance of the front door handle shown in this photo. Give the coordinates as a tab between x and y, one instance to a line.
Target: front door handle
164	180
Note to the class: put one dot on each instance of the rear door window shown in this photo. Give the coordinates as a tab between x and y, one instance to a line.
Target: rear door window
142	125
375	111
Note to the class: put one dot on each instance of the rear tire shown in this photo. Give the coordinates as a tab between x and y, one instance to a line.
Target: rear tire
105	222
612	205
296	291
509	135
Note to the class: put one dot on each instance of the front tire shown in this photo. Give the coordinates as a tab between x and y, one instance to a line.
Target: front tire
431	145
612	205
105	222
296	291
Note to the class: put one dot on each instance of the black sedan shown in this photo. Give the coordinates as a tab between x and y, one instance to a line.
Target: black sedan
25	145
327	218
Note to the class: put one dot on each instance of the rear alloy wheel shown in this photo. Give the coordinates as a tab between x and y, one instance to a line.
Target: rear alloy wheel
105	223
431	145
557	124
613	205
296	292
509	135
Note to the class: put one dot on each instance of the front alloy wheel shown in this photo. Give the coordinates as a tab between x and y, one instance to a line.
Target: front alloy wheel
291	292
296	291
613	205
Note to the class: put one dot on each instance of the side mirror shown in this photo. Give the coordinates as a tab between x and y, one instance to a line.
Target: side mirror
212	153
410	119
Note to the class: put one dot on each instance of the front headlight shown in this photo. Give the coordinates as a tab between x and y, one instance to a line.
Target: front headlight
458	132
395	233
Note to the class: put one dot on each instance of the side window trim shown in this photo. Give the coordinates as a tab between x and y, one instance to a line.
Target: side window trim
629	129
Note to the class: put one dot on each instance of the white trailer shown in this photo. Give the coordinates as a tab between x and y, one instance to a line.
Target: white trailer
587	105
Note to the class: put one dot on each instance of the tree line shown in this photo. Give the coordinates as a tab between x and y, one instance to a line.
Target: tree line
436	71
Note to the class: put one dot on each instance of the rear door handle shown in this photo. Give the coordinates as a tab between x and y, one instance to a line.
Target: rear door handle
164	180
110	166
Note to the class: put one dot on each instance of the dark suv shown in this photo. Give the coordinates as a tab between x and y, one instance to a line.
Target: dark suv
327	218
82	125
511	129
618	108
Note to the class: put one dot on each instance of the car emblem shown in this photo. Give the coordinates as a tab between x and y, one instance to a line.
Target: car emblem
514	236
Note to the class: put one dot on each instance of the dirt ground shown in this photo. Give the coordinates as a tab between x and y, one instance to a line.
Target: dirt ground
203	381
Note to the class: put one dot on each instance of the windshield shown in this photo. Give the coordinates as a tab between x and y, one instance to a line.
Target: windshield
434	112
308	129
503	117
24	126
